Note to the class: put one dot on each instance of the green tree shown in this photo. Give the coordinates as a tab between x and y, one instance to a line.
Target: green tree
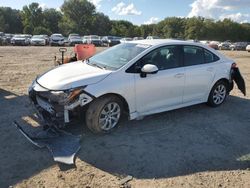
41	30
2	23
77	16
32	17
10	20
172	27
147	30
122	28
194	28
101	25
51	19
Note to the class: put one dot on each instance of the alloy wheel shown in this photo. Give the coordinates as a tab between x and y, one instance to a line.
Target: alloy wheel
219	94
109	116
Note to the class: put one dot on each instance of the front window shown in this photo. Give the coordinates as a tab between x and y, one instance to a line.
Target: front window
166	57
118	56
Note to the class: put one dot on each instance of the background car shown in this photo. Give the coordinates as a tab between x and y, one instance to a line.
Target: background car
110	40
138	38
74	39
214	44
8	37
239	46
152	37
23	40
248	48
1	38
56	39
124	40
92	39
224	46
46	37
38	40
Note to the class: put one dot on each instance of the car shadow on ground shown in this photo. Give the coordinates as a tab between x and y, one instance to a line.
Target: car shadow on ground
179	142
19	159
175	143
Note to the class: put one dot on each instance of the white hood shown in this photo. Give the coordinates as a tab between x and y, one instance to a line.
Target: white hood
72	75
37	40
19	38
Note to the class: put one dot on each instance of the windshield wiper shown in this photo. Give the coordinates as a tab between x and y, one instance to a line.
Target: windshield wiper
97	65
94	64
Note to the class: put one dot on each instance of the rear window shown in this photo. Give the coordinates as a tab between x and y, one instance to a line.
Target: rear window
210	57
194	55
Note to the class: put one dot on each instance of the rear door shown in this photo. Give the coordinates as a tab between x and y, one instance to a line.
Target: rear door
200	72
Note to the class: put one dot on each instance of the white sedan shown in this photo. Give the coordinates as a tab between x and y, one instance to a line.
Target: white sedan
248	48
38	40
135	79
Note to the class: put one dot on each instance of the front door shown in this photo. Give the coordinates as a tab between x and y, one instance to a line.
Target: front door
156	92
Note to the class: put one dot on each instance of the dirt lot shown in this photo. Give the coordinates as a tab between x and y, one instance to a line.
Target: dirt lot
196	146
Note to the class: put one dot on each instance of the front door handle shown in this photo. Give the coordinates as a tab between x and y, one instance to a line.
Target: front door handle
179	75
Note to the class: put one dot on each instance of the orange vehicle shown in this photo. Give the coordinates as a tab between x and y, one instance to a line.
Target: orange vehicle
81	51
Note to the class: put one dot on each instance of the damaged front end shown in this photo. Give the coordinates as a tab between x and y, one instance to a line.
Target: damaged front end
57	108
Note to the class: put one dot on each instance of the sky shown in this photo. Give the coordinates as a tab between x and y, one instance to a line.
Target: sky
152	11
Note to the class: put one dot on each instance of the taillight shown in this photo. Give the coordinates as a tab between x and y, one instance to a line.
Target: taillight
234	65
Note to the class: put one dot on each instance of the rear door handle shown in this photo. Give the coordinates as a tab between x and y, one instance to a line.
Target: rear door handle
179	75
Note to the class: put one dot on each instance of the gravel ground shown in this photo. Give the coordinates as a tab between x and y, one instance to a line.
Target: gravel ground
196	146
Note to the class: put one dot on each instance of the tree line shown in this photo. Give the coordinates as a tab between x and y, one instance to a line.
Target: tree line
80	16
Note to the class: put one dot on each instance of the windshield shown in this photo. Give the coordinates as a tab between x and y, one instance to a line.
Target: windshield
117	56
37	37
75	37
95	37
57	35
19	36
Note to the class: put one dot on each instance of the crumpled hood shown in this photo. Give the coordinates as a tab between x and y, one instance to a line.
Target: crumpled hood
72	75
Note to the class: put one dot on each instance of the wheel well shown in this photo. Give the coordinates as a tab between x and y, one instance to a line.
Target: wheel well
224	80
124	102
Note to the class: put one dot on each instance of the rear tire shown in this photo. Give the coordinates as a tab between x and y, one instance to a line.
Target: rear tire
104	114
218	94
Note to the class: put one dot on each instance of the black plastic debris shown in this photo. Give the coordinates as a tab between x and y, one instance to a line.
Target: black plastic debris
239	80
62	145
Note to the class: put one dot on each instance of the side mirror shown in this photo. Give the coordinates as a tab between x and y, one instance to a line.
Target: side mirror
148	69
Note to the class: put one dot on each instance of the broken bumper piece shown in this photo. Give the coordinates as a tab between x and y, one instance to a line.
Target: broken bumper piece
62	145
57	107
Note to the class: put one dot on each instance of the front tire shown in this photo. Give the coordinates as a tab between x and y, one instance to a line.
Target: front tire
218	94
104	114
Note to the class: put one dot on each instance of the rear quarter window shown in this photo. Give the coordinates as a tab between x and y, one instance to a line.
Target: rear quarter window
210	57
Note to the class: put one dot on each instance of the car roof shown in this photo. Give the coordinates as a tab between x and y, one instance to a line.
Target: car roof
159	42
155	42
